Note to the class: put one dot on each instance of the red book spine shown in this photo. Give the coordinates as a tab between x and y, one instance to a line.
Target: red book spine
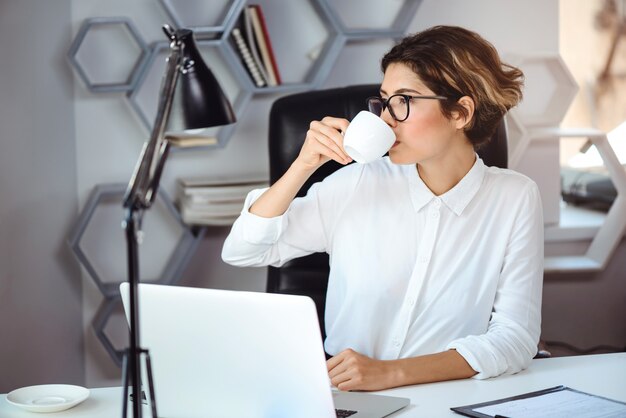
267	41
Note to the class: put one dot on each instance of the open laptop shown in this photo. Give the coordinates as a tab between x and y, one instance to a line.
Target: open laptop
220	353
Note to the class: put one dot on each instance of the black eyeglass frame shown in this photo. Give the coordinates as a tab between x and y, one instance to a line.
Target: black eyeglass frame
407	98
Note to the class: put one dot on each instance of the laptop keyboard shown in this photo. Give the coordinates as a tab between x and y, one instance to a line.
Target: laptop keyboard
343	413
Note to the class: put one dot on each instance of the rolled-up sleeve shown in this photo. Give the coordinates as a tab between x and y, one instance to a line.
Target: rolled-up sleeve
510	342
251	236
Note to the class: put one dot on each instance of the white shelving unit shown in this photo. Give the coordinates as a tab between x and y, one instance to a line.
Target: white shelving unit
575	224
579	224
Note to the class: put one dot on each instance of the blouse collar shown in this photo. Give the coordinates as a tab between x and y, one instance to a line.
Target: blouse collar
456	198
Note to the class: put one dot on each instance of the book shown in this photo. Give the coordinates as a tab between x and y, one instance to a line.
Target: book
266	34
248	32
246	57
199	200
218	194
183	141
212	210
264	45
209	220
223	181
200	192
215	200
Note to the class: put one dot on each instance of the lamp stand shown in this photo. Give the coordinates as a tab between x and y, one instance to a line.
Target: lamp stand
132	357
140	195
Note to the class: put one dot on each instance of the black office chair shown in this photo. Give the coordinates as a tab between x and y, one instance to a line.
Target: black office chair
290	117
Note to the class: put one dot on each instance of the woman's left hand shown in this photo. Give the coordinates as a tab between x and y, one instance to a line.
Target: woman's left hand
350	370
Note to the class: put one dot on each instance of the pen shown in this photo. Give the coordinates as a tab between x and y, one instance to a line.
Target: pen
499	416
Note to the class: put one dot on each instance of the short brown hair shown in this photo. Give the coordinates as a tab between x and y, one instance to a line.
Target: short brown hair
456	62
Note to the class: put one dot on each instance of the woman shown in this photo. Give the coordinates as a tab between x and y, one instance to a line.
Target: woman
436	261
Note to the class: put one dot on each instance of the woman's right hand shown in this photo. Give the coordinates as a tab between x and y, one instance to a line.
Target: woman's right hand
324	142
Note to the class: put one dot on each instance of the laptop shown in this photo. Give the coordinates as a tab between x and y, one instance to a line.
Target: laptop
222	353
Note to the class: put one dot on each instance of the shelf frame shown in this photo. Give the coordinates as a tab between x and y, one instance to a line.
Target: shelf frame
611	232
129	83
398	28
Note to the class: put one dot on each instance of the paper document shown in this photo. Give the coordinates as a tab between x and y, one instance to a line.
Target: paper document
558	402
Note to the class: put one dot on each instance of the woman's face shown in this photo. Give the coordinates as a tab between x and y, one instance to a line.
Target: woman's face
426	134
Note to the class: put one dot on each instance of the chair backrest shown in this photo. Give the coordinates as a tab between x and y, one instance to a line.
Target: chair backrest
290	117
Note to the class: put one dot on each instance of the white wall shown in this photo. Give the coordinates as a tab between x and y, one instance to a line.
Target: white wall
40	287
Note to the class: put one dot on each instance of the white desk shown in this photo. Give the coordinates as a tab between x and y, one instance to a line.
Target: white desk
603	374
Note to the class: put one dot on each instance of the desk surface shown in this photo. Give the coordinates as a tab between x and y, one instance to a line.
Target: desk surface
603	374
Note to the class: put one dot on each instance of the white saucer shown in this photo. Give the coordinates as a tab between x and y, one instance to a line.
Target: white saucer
48	398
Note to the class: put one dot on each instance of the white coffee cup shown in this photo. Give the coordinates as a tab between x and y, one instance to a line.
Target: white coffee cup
368	137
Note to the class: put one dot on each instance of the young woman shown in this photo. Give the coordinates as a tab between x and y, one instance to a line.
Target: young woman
436	260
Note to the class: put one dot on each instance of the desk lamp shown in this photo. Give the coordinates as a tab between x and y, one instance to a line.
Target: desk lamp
190	99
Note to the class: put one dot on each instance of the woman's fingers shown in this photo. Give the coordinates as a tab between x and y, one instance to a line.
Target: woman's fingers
337	371
333	362
339	124
329	148
327	133
342	381
333	129
350	370
324	142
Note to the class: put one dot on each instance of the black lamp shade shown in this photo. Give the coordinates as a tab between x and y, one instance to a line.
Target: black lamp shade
199	101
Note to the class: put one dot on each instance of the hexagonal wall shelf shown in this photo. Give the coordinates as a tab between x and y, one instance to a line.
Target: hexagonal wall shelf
612	230
357	54
518	138
549	88
172	265
304	58
108	54
144	99
201	16
102	323
374	18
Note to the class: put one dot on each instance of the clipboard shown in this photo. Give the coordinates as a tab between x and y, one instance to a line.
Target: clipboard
558	401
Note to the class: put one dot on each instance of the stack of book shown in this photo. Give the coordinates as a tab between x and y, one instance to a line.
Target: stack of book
213	202
252	41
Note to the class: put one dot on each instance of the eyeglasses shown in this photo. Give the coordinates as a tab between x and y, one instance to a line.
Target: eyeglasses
398	105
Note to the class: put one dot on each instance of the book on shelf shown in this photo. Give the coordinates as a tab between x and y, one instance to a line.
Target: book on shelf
247	58
215	197
264	44
208	220
185	141
221	194
215	201
218	181
215	186
250	38
212	209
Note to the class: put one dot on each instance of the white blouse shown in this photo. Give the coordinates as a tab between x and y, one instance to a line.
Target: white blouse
412	273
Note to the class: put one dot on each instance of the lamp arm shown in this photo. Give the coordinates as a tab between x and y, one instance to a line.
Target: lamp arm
142	186
158	170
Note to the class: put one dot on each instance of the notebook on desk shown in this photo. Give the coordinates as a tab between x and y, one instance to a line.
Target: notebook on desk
241	354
